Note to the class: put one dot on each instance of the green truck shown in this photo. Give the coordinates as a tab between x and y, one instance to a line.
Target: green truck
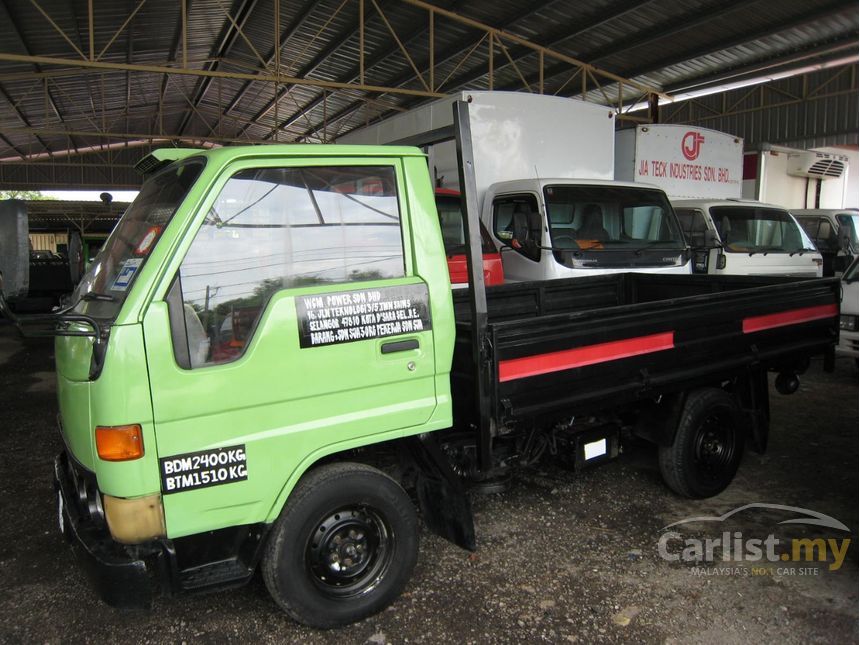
266	367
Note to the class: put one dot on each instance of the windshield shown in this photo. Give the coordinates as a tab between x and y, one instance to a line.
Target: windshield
759	229
451	221
107	281
612	226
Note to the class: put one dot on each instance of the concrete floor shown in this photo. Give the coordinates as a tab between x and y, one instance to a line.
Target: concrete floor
560	558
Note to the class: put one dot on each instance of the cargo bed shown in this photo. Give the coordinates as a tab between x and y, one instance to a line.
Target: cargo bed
562	346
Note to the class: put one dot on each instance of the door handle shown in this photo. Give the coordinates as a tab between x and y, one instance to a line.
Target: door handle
399	346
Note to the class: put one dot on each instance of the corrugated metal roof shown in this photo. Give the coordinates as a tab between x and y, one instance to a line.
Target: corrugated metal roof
659	43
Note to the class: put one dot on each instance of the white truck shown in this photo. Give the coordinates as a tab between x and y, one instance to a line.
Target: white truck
834	231
702	172
544	170
848	338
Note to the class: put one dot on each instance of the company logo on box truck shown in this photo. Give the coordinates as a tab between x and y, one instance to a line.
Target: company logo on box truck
691	144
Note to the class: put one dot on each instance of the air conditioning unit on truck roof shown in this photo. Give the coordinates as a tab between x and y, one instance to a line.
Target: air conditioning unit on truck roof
818	165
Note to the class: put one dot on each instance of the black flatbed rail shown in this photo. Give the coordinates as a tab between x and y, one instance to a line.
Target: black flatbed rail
567	346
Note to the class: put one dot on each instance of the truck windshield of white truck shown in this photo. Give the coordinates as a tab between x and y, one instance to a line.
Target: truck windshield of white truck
611	227
753	229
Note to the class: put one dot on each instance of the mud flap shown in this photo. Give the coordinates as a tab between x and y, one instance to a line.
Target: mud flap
443	501
754	397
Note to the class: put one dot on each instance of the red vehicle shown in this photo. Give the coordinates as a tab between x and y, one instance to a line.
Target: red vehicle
451	220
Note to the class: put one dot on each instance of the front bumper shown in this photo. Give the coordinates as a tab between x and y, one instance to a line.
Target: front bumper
121	579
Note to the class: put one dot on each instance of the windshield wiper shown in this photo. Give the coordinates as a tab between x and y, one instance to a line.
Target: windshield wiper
800	251
90	296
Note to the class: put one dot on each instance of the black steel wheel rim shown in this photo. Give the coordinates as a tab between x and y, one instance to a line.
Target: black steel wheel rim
350	551
715	446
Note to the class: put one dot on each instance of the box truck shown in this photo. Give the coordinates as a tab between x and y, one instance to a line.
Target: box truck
544	171
701	171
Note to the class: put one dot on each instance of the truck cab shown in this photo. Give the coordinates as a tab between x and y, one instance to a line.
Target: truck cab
738	237
562	228
182	413
834	232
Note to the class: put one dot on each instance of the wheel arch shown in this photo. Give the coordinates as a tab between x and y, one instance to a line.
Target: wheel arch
323	455
658	421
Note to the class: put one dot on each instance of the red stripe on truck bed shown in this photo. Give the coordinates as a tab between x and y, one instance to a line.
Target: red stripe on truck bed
516	368
793	317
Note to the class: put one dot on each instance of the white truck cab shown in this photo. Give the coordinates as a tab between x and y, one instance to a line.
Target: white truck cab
544	173
834	231
558	228
747	238
848	343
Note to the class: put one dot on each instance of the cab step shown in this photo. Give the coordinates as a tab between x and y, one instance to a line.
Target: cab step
215	575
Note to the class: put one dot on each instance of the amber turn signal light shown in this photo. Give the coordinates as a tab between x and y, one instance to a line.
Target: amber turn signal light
119	443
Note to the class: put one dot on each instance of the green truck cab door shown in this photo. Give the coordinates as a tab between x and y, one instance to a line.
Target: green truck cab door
292	326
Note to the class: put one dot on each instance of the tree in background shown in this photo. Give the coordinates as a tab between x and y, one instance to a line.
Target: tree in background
23	194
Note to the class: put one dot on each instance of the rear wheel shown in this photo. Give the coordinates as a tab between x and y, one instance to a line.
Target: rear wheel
343	548
708	445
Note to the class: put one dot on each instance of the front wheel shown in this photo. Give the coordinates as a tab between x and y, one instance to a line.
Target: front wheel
343	548
708	446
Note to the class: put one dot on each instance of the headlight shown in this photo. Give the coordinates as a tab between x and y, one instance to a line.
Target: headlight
848	323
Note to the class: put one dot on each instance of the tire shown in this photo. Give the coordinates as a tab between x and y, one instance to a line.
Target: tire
343	547
708	446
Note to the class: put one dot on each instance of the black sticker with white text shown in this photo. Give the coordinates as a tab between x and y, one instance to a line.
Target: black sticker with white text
348	316
203	469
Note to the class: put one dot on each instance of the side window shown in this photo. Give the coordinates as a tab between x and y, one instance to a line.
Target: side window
517	221
279	228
